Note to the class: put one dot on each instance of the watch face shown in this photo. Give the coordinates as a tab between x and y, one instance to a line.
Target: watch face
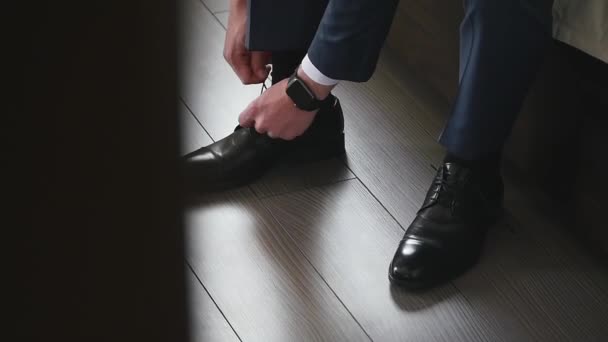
300	95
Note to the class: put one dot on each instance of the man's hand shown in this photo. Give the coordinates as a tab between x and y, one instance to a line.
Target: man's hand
275	114
249	66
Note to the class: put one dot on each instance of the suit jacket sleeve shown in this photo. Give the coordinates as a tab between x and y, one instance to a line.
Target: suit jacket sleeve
350	36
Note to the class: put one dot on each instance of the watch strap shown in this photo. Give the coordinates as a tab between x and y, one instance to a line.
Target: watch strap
313	103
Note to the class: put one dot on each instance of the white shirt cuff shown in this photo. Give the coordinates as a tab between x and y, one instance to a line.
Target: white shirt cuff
316	75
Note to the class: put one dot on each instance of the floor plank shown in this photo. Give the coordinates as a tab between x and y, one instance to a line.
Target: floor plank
386	147
206	321
193	136
267	290
434	109
217	5
569	283
287	178
350	239
517	280
223	18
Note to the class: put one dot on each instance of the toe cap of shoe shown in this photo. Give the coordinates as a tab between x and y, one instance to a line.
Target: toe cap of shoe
414	261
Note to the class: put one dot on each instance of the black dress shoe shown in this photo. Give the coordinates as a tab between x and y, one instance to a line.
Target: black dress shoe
446	237
245	154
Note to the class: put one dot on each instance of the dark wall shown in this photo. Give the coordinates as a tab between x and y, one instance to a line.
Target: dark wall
93	180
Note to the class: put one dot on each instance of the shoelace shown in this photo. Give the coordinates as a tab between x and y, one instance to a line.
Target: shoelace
264	87
444	187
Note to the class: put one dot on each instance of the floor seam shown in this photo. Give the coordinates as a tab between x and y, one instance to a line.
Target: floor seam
213	14
213	300
195	118
218	19
276	221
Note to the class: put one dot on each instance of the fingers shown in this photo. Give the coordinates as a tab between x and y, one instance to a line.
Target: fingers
246	71
259	65
235	52
288	136
273	114
260	126
247	118
241	64
251	117
250	67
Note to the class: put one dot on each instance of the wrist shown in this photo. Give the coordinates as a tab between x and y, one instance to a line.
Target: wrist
319	90
237	7
238	3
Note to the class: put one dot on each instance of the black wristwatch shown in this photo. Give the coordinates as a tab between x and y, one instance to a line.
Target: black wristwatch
301	95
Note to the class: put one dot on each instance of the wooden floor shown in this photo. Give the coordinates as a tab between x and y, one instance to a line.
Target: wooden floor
303	254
